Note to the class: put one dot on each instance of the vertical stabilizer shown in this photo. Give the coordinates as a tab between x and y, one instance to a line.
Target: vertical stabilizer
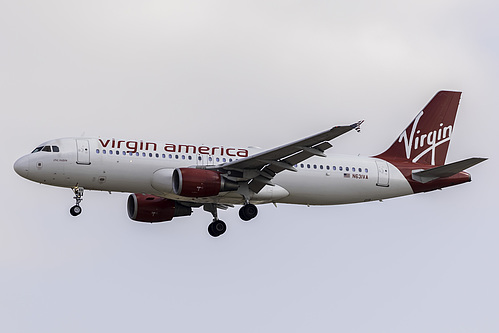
426	139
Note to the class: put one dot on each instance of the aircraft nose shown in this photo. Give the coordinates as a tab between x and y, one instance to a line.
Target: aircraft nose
22	166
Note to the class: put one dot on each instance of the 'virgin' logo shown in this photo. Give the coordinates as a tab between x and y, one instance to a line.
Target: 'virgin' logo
426	141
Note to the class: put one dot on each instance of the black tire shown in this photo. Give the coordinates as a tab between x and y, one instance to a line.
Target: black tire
217	228
211	231
75	210
248	212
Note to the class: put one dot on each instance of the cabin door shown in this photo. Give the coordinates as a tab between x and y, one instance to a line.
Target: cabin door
82	151
383	174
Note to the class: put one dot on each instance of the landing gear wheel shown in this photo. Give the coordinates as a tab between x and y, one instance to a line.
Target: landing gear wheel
248	212
75	210
217	228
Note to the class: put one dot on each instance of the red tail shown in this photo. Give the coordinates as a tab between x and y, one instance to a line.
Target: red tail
426	139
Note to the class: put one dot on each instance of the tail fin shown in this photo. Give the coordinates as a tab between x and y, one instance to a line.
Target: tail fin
426	139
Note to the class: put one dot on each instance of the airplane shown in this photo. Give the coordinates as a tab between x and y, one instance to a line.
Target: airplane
168	180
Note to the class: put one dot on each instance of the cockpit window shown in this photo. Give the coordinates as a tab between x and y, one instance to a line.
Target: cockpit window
49	149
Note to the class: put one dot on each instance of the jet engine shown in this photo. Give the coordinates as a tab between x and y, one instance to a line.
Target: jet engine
150	208
195	183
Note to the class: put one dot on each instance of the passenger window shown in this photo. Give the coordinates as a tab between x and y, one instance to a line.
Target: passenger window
218	159
190	157
143	154
150	154
346	169
47	149
157	155
55	149
224	160
302	166
183	157
110	152
308	166
322	167
163	155
327	167
341	168
334	167
97	151
170	156
315	166
124	153
353	169
104	151
366	170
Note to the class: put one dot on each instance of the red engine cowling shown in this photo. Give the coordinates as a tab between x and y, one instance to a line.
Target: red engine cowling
150	208
195	183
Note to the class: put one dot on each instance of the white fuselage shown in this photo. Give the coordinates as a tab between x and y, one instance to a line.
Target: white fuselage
96	165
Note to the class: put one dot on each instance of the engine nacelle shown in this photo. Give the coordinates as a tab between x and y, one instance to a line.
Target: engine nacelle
150	208
195	183
162	180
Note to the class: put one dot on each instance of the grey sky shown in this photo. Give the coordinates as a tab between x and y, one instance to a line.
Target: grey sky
248	73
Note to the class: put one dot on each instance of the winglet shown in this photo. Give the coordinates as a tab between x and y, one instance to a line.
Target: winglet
356	126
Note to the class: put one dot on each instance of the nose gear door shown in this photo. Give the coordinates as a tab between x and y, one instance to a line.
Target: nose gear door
82	151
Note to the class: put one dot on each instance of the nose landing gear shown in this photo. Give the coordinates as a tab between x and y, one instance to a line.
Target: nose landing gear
76	209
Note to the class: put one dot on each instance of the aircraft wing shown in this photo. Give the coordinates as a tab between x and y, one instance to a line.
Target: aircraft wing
259	169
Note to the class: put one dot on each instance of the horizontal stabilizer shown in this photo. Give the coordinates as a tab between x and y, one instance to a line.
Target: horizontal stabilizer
447	170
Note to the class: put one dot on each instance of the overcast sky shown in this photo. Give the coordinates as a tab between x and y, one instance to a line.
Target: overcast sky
245	73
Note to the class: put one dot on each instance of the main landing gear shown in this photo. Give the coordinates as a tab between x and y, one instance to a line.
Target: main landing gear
217	227
76	209
248	212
